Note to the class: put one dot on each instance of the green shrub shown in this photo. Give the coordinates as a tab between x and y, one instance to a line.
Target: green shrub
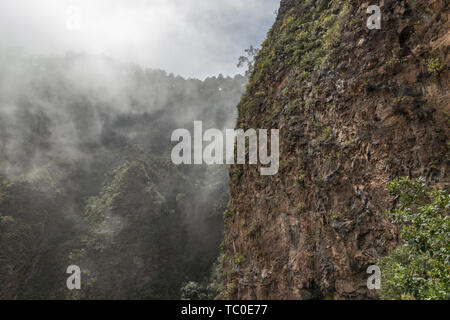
194	291
420	267
208	289
434	66
239	258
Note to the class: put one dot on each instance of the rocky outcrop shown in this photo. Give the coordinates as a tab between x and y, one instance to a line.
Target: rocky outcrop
355	108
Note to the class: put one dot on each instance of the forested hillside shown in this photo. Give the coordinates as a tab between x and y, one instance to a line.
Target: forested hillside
87	180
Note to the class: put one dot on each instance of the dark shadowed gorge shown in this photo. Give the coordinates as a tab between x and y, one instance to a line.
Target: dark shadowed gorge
86	179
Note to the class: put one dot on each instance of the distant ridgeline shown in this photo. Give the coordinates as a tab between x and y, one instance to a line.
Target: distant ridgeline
86	179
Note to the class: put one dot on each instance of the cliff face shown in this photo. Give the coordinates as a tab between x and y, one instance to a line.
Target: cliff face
355	108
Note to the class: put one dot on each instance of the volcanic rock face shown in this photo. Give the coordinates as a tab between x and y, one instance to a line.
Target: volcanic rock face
355	108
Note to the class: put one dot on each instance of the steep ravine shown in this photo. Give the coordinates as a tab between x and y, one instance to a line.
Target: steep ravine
86	179
355	108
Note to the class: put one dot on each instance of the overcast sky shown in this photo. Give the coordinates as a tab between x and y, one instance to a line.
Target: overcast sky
192	38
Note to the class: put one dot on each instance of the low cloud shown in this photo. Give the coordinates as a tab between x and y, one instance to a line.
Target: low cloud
192	38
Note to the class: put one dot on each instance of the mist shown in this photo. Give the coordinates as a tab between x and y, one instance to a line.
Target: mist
85	164
87	108
191	38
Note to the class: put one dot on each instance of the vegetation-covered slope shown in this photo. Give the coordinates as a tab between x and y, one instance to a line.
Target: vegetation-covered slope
355	108
138	226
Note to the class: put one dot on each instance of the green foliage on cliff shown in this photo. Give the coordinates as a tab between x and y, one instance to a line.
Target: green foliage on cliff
300	41
210	288
420	267
434	66
194	291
